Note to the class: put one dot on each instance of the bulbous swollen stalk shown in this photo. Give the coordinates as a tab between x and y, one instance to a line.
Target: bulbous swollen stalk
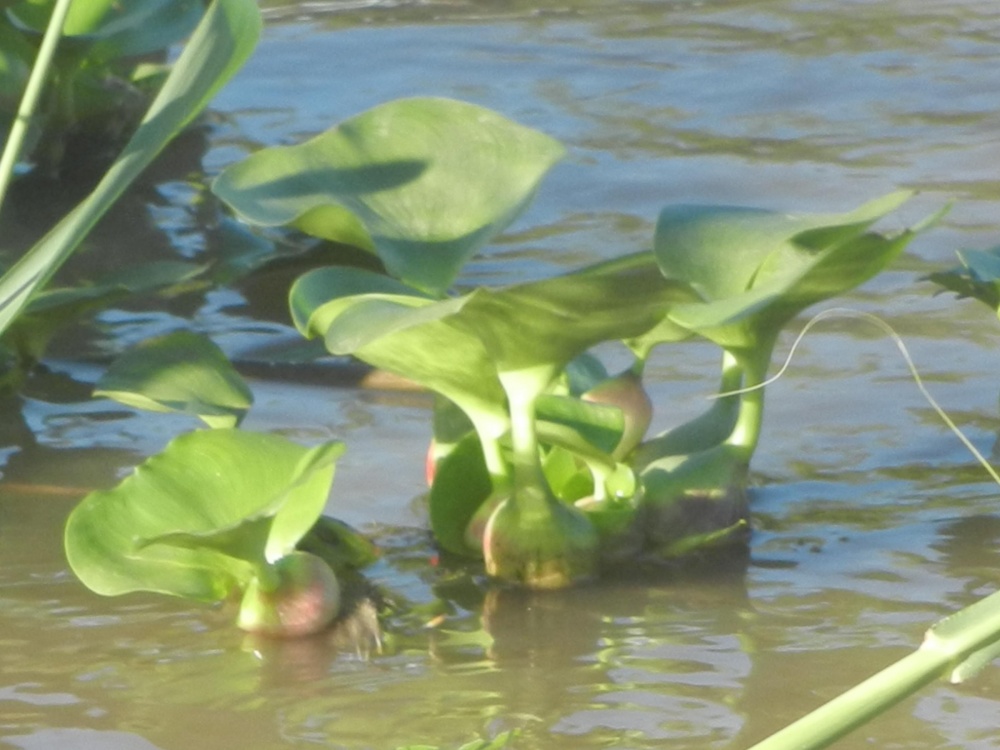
531	537
298	596
476	528
626	392
539	541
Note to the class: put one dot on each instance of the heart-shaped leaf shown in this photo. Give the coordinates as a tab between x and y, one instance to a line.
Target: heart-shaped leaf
423	182
179	372
190	521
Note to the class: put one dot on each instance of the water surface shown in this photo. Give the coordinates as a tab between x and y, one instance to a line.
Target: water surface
871	520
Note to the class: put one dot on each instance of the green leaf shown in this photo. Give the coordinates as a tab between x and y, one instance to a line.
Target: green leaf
756	269
189	519
977	277
179	372
423	182
552	321
600	425
338	544
461	485
397	328
104	30
223	40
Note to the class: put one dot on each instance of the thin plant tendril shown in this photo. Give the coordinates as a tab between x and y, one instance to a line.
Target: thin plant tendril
846	312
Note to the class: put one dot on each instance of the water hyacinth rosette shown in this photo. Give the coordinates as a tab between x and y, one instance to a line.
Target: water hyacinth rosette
423	183
493	353
754	270
202	519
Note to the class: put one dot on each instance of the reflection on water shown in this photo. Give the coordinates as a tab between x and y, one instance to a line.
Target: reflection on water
871	521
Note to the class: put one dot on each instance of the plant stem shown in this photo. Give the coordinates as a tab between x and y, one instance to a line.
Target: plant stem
32	94
496	465
947	644
523	388
746	431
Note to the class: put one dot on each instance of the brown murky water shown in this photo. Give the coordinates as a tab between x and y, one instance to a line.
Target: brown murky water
871	521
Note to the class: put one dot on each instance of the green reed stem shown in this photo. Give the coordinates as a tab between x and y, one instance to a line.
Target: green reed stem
32	93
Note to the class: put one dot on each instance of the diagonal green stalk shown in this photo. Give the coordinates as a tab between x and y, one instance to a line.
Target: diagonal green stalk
32	93
946	646
218	47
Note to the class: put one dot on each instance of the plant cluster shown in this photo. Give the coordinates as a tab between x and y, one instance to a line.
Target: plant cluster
540	461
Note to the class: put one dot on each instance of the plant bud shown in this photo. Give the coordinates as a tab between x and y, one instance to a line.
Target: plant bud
302	598
626	392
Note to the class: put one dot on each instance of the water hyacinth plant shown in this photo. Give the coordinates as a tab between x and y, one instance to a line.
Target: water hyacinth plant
220	513
217	514
540	463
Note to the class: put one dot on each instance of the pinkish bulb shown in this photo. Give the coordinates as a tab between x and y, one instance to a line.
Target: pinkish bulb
626	392
302	597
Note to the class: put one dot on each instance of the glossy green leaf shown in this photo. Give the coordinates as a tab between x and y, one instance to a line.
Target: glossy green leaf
459	346
338	544
552	321
566	475
424	182
179	372
599	425
397	328
192	520
225	37
756	269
